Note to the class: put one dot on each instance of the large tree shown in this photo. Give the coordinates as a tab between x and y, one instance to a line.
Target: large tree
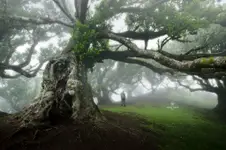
65	90
214	86
214	38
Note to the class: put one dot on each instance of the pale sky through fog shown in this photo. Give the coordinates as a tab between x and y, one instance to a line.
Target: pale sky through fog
119	26
223	1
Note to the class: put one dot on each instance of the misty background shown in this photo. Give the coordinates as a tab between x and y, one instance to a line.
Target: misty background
110	78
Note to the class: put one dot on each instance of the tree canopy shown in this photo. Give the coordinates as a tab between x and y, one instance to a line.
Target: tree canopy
175	20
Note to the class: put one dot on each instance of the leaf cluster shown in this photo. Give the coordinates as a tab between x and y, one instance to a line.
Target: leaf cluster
87	44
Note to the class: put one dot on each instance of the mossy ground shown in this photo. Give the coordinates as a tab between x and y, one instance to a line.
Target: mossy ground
182	128
118	132
134	127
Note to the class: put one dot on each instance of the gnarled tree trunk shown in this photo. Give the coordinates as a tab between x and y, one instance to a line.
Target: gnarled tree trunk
221	106
65	93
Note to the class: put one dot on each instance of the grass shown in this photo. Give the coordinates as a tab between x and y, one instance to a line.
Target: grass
180	129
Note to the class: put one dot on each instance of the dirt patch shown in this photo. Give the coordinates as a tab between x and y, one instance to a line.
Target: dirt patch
118	132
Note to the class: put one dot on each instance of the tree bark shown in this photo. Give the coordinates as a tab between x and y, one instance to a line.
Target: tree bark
221	106
65	94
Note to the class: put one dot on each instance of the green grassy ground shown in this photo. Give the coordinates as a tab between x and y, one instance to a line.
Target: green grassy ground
180	129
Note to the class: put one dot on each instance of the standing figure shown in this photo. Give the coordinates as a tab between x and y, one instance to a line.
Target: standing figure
123	99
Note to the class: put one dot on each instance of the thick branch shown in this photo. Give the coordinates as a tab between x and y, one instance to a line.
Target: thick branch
205	84
19	70
148	65
187	57
142	35
126	56
81	7
213	65
189	88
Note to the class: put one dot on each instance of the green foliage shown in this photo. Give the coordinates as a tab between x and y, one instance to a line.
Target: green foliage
86	43
177	18
181	129
182	24
108	9
207	60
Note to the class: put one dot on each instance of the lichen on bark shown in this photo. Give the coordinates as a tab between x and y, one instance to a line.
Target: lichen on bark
207	60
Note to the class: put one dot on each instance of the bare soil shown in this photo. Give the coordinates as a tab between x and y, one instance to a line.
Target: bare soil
119	132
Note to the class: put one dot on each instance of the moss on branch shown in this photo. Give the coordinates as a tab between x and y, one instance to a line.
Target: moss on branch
208	60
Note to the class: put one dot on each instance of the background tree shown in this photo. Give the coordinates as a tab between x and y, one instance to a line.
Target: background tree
19	92
213	38
214	86
107	78
15	33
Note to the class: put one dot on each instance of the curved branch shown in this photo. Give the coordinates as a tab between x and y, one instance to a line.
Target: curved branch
142	62
19	70
126	56
189	88
195	49
196	66
142	35
184	57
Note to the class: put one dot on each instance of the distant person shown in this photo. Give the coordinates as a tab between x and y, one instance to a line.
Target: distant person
123	99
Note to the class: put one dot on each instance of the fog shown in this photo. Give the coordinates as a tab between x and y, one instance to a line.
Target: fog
165	92
117	79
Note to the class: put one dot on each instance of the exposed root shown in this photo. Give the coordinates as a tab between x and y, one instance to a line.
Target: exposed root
35	135
65	94
118	132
